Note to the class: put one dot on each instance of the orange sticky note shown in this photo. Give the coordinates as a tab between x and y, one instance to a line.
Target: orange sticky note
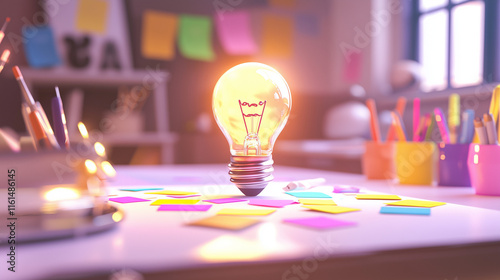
331	208
283	3
170	192
159	31
277	36
310	201
416	203
174	201
246	212
92	16
378	196
226	222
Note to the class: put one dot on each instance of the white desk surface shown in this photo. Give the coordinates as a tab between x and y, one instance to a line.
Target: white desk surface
159	242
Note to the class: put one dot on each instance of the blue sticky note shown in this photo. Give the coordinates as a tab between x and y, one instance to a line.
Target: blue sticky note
140	189
307	24
40	47
405	210
309	194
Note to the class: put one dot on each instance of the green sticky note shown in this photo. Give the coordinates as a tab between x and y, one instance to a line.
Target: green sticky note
195	37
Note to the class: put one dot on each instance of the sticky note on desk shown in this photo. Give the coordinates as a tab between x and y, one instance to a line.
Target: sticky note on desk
405	210
319	222
226	222
92	15
378	196
312	201
183	207
159	31
246	212
345	189
224	200
308	194
127	199
169	192
140	189
174	201
270	202
416	203
331	208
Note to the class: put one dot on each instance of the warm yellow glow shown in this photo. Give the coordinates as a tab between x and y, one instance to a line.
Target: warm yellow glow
476	148
83	130
61	193
91	166
268	235
476	159
5	56
99	149
442	157
108	169
251	101
117	216
231	248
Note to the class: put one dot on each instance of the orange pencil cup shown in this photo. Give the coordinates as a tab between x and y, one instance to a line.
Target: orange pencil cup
378	160
415	162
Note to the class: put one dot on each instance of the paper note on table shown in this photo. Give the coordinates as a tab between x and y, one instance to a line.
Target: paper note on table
127	199
277	36
224	200
308	194
174	201
331	208
319	222
309	201
378	196
40	47
226	222
235	33
183	207
245	212
270	202
405	210
195	37
183	196
345	189
170	192
159	31
140	189
92	16
416	203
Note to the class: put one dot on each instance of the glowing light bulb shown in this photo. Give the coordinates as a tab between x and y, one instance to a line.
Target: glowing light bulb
251	104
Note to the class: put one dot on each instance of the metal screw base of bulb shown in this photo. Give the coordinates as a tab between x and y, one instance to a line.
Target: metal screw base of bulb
251	174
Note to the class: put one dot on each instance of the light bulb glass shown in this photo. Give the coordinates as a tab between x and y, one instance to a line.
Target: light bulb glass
251	104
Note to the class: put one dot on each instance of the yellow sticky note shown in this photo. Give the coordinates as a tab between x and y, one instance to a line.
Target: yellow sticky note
310	201
277	36
378	196
169	192
92	16
416	203
159	31
331	208
175	201
247	212
226	222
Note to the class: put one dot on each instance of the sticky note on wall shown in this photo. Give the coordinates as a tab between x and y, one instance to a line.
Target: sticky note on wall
195	37
92	15
277	36
39	46
235	33
283	3
159	31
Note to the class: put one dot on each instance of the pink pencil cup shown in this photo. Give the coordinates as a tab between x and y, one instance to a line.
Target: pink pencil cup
484	168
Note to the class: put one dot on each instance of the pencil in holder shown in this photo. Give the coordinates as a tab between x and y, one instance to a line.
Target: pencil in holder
378	160
452	165
484	169
415	162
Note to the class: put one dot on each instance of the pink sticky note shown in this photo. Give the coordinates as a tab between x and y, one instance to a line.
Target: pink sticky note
319	222
127	199
182	196
235	33
183	207
224	200
345	189
352	66
271	202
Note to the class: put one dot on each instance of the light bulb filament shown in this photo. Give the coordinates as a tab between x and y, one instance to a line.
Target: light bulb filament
261	103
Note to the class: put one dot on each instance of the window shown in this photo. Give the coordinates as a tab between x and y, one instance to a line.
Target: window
455	41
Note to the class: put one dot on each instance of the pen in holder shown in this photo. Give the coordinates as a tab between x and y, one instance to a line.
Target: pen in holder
415	162
452	165
378	160
484	169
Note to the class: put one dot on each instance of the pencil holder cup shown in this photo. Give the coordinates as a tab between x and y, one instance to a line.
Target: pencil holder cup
484	169
452	165
415	162
378	160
